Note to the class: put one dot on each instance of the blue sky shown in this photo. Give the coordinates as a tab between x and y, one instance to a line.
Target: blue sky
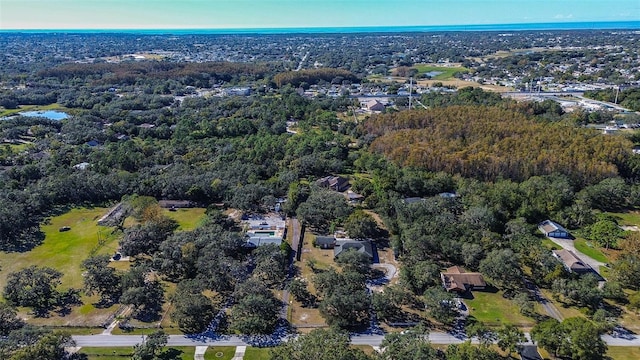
214	14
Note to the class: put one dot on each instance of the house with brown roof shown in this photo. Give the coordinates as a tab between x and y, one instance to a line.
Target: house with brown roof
571	261
373	105
457	279
337	183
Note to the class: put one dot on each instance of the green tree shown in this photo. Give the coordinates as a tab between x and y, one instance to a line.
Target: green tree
298	288
509	338
322	208
361	225
549	335
480	331
440	305
256	310
102	279
574	338
605	232
33	287
9	319
271	264
151	348
467	351
583	340
192	312
352	260
144	292
319	344
583	291
147	237
409	346
502	268
626	270
50	346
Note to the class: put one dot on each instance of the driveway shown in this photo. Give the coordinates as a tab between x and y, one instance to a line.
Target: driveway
568	245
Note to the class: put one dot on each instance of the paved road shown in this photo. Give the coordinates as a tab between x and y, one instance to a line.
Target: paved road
547	305
372	340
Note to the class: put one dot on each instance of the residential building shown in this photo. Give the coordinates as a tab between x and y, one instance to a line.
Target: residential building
571	261
457	279
337	183
343	245
553	229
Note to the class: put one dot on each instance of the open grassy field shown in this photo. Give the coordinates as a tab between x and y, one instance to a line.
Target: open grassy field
444	72
590	249
494	310
188	219
630	218
220	353
64	251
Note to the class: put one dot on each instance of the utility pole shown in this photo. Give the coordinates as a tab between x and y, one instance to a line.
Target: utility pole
617	93
410	90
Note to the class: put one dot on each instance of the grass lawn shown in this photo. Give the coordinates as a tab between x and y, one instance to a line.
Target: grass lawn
78	330
107	353
64	251
18	148
565	311
220	353
119	353
546	242
494	310
624	352
590	249
445	72
188	219
254	353
630	218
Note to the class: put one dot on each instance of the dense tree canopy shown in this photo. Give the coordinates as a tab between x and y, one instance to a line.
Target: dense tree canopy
469	141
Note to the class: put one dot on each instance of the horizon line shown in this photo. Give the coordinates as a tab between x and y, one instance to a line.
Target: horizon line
565	25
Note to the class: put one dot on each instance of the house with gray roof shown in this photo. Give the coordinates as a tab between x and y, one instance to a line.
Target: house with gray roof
325	242
553	229
343	245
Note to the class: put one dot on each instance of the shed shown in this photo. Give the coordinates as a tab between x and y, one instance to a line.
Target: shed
325	242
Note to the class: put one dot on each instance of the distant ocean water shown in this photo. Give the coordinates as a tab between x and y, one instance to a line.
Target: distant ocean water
608	25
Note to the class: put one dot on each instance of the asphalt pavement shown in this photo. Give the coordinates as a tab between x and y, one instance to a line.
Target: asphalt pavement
372	340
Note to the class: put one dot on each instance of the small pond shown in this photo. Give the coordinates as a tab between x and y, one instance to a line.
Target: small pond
49	114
